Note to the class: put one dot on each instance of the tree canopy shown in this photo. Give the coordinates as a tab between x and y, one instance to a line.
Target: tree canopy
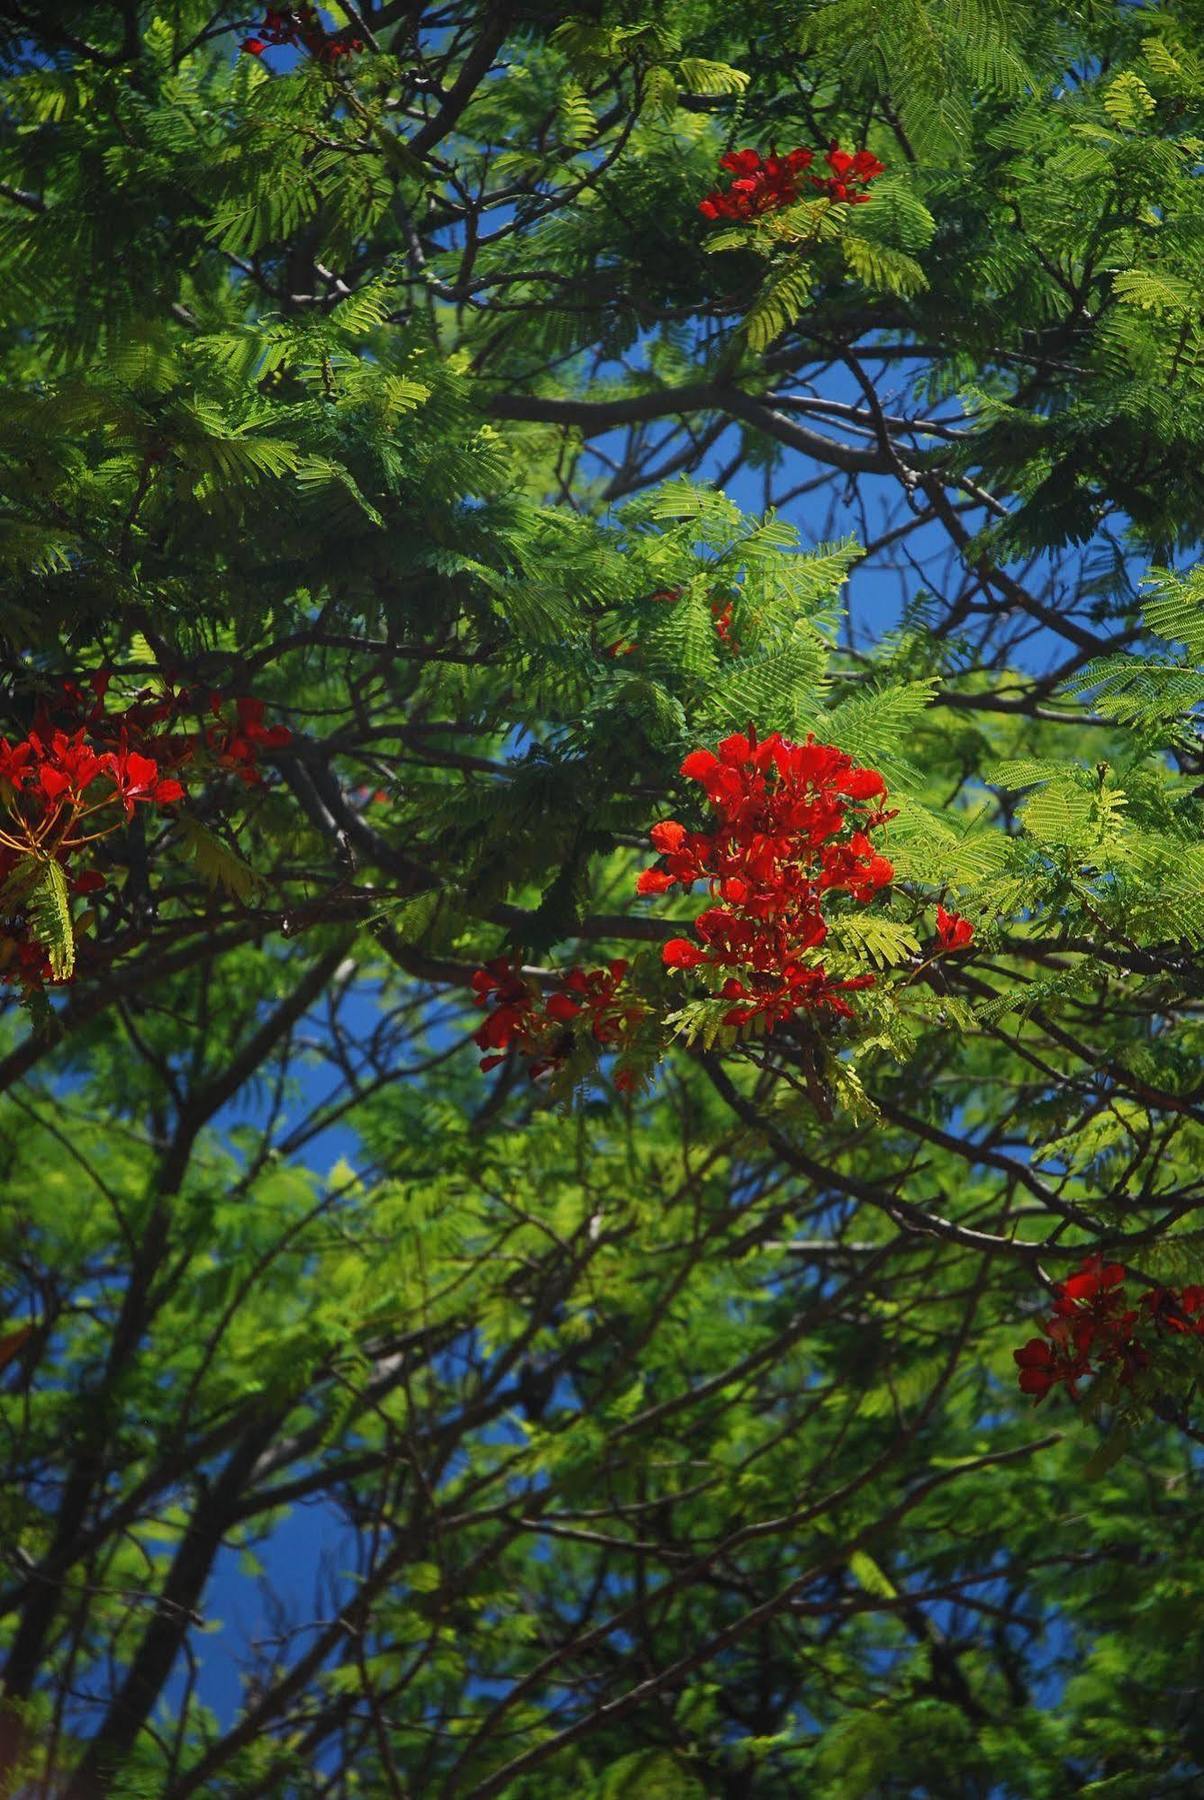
601	898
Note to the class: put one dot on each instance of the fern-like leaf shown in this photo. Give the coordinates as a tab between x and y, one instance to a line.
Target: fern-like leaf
882	269
48	908
700	76
218	865
780	303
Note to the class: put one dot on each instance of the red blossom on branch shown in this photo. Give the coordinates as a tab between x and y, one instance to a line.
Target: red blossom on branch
762	184
58	792
79	773
137	778
851	173
513	1019
544	1030
1171	1311
68	766
680	953
791	826
953	932
765	184
238	745
1045	1362
1092	1327
299	27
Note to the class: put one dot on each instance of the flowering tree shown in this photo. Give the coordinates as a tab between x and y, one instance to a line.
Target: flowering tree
600	900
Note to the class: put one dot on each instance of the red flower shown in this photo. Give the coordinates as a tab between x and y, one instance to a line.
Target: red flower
65	788
668	836
762	184
545	1038
513	1001
136	778
14	762
654	881
855	867
68	765
852	171
1093	1284
26	962
562	1009
723	616
238	748
613	1018
698	765
1042	1365
1093	1328
787	830
1090	1306
53	782
736	749
862	784
953	932
300	26
332	50
1169	1311
250	720
680	953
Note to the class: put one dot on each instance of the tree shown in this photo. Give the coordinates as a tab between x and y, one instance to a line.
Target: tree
435	435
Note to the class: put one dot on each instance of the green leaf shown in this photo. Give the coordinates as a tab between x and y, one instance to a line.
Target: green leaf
700	76
870	937
867	1574
217	863
18	884
779	687
660	93
1128	101
784	300
322	476
577	120
1157	293
882	269
49	910
650	1774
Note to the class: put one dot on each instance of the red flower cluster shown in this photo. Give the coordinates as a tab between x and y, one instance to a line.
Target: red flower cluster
237	745
792	826
300	27
80	772
1092	1326
546	1037
765	184
852	172
953	932
60	793
762	184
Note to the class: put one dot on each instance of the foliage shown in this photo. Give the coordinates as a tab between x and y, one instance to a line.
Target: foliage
651	1426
